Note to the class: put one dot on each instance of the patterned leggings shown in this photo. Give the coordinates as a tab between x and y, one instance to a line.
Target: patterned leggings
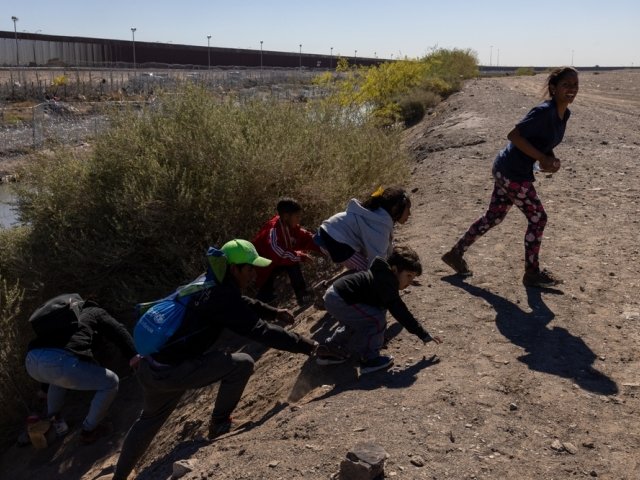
505	194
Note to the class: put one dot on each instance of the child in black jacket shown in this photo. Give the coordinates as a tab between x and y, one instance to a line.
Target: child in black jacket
359	302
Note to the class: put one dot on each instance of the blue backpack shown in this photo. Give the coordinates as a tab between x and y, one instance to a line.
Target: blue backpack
161	318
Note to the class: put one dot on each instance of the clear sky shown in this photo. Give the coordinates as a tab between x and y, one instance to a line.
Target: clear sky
514	32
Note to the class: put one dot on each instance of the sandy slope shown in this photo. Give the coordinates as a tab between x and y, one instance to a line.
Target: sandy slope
519	368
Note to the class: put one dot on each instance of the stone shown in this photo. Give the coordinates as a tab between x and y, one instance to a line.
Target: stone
557	446
417	461
365	461
182	467
570	447
513	407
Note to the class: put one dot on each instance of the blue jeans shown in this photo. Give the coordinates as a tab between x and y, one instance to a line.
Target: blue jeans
361	329
63	371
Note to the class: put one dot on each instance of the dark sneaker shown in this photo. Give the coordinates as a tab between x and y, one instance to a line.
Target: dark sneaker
87	437
218	428
541	279
327	355
305	299
378	363
454	259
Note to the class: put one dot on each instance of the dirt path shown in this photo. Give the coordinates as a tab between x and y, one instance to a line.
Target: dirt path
529	384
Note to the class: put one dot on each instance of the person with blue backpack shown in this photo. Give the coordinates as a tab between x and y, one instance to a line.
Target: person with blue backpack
180	358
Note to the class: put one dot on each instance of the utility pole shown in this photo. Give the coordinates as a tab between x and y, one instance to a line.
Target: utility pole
15	31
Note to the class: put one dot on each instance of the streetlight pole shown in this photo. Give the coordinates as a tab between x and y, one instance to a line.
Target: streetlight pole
15	31
208	52
331	59
260	57
300	57
355	57
133	44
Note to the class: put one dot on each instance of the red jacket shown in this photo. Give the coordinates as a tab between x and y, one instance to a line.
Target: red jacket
281	244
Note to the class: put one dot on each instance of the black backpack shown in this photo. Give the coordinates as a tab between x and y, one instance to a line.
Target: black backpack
57	314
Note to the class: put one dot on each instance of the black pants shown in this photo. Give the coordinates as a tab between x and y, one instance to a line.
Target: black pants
163	388
265	294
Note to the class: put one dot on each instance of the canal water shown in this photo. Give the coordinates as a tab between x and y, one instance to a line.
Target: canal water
8	216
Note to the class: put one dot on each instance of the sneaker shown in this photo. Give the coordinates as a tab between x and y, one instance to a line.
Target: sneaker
327	355
59	426
377	363
88	437
540	279
305	299
220	427
454	259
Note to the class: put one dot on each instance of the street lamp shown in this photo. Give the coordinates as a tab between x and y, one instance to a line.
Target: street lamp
331	59
355	57
133	44
208	51
15	31
261	57
300	56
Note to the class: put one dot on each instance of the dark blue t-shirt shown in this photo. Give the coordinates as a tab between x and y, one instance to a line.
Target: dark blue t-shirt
543	129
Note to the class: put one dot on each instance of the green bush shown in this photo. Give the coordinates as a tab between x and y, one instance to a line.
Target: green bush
135	216
386	89
12	351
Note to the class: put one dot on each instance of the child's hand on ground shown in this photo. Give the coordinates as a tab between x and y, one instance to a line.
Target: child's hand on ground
285	316
430	338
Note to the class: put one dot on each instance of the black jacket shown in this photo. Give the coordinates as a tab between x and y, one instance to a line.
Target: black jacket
223	306
93	321
378	287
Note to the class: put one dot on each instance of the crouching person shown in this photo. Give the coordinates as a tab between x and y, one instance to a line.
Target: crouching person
185	361
61	356
359	302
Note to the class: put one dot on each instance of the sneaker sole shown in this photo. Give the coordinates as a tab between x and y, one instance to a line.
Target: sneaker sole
330	361
365	370
542	285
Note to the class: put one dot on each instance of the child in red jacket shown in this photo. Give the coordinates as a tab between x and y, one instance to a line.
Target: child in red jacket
285	243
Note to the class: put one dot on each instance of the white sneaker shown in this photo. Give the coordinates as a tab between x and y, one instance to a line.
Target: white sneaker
60	426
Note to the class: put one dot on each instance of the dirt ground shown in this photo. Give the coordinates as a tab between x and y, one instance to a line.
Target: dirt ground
528	384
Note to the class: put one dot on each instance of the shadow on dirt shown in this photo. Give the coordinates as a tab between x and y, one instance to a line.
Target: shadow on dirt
548	350
345	377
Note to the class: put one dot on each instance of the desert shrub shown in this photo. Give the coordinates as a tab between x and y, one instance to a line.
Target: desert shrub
411	111
131	218
12	350
386	89
523	71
